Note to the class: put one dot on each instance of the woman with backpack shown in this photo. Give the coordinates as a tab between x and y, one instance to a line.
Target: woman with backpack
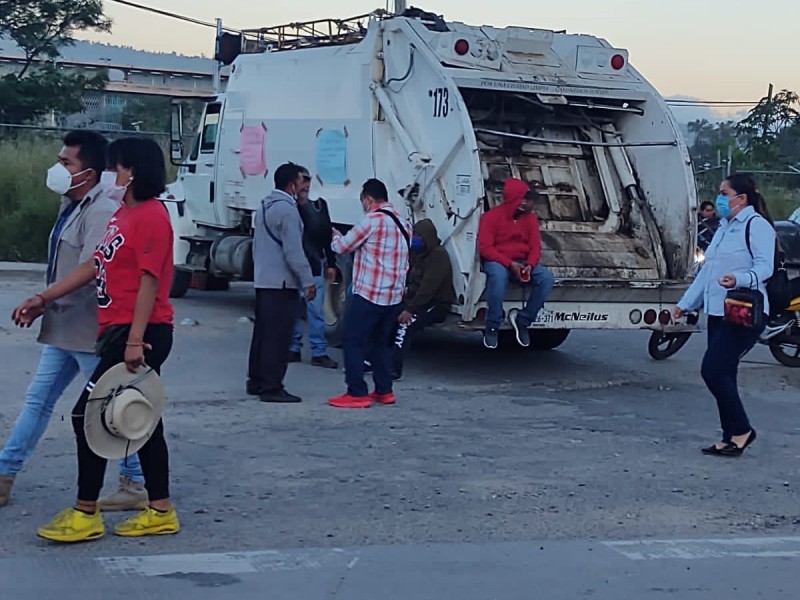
741	256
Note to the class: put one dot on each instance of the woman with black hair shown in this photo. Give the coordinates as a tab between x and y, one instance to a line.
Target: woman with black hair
132	267
741	255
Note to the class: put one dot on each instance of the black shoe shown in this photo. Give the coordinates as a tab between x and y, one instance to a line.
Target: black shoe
521	329
491	337
282	397
326	362
252	388
731	450
367	367
294	357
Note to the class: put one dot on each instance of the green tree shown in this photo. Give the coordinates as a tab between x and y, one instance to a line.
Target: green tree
766	125
41	28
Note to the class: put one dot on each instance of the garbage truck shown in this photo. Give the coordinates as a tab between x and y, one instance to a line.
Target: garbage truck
444	113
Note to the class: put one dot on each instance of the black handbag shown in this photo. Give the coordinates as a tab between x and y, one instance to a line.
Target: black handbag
779	291
744	307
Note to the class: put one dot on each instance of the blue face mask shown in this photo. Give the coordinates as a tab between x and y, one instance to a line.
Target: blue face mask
723	205
417	244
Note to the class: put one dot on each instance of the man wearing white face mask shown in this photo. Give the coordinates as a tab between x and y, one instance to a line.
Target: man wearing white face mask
69	326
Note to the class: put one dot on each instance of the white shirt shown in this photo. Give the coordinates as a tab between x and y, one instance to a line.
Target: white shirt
728	255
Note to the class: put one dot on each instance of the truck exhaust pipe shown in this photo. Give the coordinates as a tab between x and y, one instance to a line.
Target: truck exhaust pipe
399	7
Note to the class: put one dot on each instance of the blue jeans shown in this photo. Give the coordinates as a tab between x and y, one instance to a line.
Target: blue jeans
57	369
497	278
368	329
316	324
727	345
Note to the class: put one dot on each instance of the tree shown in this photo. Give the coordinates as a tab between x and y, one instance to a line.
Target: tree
41	28
770	121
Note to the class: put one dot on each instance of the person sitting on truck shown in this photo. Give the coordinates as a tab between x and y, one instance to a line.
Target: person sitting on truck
281	272
317	240
381	242
707	224
510	246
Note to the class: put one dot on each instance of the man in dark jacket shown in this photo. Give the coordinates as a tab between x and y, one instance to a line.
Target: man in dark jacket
317	237
510	246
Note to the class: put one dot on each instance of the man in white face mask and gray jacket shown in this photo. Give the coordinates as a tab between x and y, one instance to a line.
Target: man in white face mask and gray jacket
69	326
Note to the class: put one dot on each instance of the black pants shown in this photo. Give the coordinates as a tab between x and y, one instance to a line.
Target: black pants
727	345
154	455
425	317
276	312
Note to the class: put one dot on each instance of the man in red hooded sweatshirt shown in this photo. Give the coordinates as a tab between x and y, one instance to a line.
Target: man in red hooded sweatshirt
510	246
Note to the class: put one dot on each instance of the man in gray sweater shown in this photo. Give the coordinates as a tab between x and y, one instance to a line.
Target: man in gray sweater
281	271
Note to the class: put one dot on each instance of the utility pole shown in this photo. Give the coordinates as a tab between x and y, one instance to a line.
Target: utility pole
768	114
217	66
399	7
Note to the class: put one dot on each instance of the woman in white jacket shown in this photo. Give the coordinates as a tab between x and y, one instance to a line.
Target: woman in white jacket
741	255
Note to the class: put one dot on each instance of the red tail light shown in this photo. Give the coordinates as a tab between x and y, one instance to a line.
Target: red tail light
664	317
650	316
461	47
617	62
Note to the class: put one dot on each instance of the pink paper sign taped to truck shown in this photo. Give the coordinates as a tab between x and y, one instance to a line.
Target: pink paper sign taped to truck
252	151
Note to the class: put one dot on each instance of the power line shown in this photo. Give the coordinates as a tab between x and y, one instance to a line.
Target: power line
165	13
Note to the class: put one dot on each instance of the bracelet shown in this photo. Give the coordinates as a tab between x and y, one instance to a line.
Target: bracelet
44	302
134	344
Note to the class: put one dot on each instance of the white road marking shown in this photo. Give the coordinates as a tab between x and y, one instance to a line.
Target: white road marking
233	563
763	547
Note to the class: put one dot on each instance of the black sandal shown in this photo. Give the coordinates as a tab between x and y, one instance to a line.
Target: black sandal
714	451
730	449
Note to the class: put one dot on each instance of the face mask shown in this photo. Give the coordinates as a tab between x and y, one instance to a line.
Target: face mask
417	244
59	179
723	205
116	192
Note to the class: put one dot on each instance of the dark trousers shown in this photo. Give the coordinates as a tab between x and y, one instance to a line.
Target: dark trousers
276	312
154	455
425	317
727	345
369	328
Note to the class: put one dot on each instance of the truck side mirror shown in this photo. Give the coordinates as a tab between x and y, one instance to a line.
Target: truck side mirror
176	133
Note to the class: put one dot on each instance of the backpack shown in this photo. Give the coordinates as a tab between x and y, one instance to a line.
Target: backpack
779	292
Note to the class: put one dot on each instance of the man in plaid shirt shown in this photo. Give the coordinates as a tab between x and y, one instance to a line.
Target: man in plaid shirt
381	243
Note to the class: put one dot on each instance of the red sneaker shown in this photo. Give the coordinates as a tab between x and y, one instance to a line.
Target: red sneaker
389	398
348	401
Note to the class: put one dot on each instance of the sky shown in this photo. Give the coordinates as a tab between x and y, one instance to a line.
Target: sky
707	49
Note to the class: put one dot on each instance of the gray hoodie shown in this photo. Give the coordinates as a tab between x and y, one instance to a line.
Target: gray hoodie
280	261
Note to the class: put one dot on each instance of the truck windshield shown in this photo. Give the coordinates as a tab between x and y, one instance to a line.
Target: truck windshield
208	138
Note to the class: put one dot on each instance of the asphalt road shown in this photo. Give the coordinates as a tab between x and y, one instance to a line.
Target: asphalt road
498	468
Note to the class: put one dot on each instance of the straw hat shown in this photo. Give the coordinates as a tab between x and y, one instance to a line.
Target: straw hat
123	410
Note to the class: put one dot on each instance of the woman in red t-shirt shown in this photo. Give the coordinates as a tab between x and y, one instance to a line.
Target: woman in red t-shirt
133	267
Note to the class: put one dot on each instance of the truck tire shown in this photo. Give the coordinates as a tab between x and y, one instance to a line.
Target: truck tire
181	281
541	339
548	339
337	297
663	345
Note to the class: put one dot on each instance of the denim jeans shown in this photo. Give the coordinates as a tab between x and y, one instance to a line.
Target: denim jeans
369	329
57	369
316	324
497	278
727	345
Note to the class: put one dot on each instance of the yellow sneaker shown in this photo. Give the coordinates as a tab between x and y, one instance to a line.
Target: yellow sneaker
72	525
150	522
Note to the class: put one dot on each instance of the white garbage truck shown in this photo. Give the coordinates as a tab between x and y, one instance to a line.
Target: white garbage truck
444	113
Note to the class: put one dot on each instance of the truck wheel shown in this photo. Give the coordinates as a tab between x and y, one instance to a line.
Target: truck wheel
548	339
786	354
337	296
181	280
663	345
541	339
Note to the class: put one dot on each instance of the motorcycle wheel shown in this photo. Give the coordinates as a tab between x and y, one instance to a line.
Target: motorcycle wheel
663	345
786	354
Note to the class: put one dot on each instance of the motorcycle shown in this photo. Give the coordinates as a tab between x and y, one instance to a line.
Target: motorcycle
781	336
